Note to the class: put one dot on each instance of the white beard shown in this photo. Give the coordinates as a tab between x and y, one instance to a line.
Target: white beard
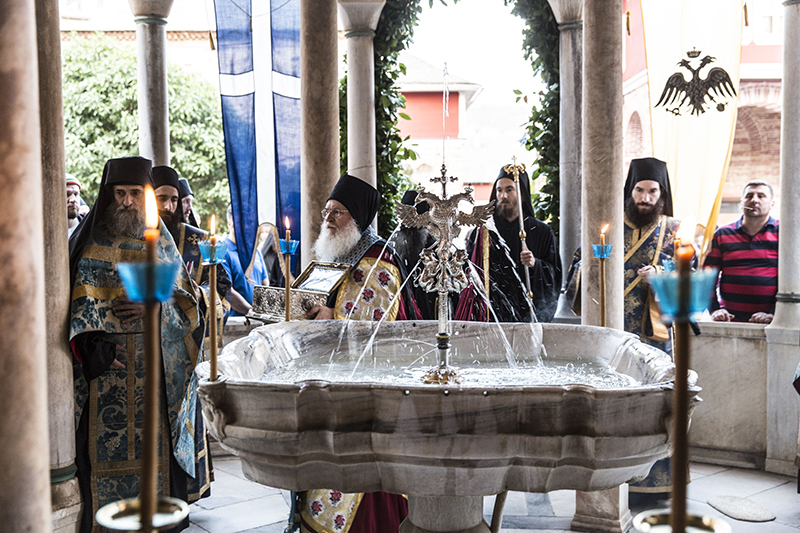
331	246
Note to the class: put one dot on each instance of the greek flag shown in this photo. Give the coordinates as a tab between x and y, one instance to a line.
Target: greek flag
259	77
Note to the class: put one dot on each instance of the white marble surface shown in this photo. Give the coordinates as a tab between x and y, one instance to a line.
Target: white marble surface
749	413
730	423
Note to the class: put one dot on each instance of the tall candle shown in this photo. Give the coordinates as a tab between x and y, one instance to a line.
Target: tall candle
603	234
151	220
680	455
213	238
152	351
288	259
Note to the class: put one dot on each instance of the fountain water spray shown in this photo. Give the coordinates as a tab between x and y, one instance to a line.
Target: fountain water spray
443	270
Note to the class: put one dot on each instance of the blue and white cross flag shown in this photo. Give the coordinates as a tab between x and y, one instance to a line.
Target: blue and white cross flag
259	66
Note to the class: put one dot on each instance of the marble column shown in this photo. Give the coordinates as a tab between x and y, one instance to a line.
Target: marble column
151	41
25	492
602	204
360	19
569	14
65	496
602	185
319	121
783	351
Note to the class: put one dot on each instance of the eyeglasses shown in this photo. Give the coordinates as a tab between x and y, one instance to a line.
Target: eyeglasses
335	212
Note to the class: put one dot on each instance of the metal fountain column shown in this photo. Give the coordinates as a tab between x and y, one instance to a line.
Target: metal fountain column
443	264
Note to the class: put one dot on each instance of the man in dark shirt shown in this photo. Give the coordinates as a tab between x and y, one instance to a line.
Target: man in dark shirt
746	254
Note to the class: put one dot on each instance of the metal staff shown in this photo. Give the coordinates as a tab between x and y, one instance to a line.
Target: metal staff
515	169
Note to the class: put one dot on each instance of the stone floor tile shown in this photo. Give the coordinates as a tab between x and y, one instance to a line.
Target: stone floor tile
783	501
228	489
699	470
242	516
738	482
537	523
230	464
272	528
194	528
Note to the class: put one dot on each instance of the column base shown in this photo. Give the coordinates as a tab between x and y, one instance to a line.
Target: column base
445	514
67	506
780	466
605	510
408	527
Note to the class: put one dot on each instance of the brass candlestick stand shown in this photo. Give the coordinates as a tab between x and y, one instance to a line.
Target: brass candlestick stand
213	253
151	283
602	252
288	248
681	294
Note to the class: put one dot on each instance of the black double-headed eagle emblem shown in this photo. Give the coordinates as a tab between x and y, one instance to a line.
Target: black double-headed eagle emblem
694	92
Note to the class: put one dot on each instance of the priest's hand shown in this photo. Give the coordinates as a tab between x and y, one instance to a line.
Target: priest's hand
761	318
127	311
198	294
320	312
721	315
646	271
115	364
527	259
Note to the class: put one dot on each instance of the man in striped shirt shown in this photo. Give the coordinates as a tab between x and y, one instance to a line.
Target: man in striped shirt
746	253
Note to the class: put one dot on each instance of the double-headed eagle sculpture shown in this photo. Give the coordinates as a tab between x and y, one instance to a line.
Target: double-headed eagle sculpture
442	263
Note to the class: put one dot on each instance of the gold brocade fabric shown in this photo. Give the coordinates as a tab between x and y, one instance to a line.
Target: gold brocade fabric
114	400
376	298
643	247
330	511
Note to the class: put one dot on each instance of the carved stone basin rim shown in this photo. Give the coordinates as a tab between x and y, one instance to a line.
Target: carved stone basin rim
430	440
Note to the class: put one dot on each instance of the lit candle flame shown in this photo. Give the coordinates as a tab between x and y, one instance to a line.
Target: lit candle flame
213	224
286	222
150	208
686	231
605	228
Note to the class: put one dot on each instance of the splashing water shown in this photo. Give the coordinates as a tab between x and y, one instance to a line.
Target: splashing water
387	371
358	297
371	340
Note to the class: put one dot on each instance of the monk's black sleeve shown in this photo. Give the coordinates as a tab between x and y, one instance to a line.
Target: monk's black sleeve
96	353
546	273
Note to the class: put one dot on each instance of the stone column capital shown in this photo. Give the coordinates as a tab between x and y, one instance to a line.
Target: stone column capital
360	17
154	9
567	11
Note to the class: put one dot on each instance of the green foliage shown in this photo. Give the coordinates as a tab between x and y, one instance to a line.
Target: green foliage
101	120
540	46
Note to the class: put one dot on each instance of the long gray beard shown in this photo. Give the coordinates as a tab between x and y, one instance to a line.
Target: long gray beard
126	221
329	247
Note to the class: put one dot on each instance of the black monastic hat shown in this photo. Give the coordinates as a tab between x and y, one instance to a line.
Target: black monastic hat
183	188
164	175
359	197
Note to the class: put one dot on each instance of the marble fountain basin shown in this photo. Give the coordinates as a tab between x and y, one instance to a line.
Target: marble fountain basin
474	439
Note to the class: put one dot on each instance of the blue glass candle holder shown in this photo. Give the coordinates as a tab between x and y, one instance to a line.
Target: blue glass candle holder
668	264
134	279
602	251
665	286
219	253
290	247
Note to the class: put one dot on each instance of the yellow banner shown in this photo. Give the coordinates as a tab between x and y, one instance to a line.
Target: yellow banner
693	50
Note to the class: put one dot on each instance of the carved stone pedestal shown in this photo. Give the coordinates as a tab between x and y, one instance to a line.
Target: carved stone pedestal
445	514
